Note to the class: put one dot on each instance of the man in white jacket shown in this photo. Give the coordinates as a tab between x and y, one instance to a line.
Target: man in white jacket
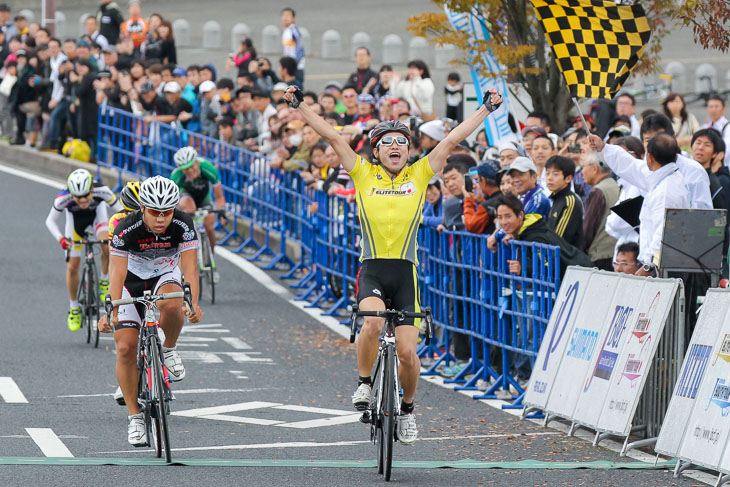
665	188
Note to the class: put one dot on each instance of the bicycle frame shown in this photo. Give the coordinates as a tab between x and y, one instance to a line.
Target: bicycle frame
88	290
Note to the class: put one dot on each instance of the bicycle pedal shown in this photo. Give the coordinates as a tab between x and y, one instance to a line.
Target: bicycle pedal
365	418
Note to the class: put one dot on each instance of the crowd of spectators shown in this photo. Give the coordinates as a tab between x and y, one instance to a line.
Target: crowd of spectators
537	186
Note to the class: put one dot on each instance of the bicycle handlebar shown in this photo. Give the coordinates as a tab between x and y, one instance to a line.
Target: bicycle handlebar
151	299
392	314
84	242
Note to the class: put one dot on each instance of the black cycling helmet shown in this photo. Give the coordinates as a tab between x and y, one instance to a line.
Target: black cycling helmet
383	128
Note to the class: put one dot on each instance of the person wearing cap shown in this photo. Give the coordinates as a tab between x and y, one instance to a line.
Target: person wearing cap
181	108
21	94
617	132
431	133
508	152
262	104
278	91
209	111
365	108
6	25
524	180
480	206
83	51
135	27
21	25
363	75
155	107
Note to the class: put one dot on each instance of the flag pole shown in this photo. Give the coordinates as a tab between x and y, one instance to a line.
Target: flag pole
580	114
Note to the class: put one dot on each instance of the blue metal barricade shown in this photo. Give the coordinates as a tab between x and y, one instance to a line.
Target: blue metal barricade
488	318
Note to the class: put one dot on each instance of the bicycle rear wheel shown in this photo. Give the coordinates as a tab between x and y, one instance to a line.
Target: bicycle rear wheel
158	403
82	295
388	412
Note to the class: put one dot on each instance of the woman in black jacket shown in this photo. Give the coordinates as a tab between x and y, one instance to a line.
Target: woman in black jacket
86	108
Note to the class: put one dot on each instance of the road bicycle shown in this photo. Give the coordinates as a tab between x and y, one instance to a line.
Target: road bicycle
88	293
154	394
385	400
206	261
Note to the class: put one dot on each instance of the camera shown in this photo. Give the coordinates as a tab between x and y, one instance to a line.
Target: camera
468	183
574	149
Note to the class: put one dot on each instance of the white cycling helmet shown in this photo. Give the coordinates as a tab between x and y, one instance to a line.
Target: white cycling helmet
79	182
159	193
185	156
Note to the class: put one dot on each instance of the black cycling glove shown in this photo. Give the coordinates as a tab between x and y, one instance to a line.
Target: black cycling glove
487	98
298	98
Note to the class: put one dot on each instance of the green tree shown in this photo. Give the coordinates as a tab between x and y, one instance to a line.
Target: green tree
518	42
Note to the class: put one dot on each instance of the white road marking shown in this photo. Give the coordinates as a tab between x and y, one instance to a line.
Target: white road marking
207	328
183	391
228	408
236	343
309	409
312	444
244	419
50	444
263	278
241	357
317	423
214	357
202	357
63	437
184	339
32	177
10	392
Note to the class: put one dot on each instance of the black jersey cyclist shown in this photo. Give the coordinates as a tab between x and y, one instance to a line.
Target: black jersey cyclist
84	205
149	249
390	197
195	177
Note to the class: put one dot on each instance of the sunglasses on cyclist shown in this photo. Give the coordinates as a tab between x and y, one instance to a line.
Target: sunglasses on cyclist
83	196
389	139
158	213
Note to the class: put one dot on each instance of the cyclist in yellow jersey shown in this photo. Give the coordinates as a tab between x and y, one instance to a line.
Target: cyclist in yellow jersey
129	196
390	198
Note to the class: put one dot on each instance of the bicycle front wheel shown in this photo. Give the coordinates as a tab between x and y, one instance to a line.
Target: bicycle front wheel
83	295
388	412
92	310
206	272
158	403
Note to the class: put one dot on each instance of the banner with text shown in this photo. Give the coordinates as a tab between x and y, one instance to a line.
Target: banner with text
598	346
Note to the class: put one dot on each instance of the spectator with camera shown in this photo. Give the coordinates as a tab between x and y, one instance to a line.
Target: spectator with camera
480	200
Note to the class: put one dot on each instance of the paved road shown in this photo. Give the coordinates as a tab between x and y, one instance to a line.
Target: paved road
280	382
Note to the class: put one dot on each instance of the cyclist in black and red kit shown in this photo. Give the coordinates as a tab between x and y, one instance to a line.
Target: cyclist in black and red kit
148	250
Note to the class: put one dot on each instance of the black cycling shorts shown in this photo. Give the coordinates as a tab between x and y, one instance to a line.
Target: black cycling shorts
391	280
132	315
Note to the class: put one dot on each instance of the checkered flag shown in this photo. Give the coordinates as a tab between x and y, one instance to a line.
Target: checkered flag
596	43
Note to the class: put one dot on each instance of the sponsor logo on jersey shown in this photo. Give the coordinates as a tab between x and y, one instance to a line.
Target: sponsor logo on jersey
407	189
189	235
377	291
117	241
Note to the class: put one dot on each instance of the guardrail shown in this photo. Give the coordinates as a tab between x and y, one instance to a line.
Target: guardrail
494	318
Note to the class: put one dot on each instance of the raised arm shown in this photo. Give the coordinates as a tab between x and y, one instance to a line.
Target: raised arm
344	152
437	157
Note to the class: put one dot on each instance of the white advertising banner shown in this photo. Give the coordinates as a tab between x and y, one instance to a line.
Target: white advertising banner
694	367
582	345
708	426
604	366
640	344
558	335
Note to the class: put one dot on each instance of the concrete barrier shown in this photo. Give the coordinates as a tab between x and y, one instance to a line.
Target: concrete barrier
271	39
418	48
705	78
60	24
360	39
238	33
28	14
443	55
331	44
211	35
181	29
82	20
392	49
679	76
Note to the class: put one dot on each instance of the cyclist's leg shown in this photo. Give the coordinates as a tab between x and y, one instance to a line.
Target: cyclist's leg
101	229
74	261
403	287
370	298
171	310
126	335
209	220
187	203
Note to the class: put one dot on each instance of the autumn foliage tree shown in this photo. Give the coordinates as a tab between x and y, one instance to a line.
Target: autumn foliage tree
518	42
